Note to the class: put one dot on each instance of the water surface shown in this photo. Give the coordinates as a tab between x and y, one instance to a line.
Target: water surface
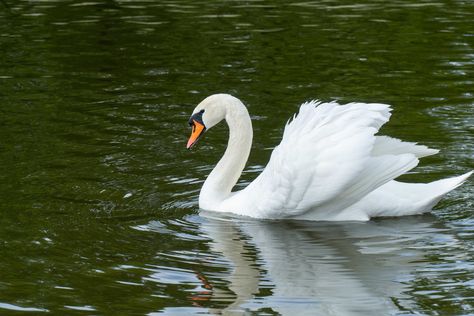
98	196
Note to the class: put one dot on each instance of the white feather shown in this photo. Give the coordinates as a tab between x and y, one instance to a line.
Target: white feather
388	145
328	166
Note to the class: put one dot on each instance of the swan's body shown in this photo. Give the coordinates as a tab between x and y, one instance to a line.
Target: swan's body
328	166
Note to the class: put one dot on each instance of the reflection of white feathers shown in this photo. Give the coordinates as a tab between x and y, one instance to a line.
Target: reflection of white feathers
328	166
330	269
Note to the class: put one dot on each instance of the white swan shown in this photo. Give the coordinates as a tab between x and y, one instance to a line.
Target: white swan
328	166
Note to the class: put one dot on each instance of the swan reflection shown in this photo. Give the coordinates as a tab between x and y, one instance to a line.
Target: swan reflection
323	268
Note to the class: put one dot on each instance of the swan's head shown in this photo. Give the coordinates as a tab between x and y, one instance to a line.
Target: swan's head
208	113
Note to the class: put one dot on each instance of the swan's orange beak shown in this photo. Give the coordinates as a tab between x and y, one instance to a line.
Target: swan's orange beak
198	129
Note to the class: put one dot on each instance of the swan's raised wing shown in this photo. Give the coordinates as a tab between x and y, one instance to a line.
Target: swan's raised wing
385	145
327	160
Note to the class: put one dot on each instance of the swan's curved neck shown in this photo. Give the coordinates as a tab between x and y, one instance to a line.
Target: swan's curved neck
225	174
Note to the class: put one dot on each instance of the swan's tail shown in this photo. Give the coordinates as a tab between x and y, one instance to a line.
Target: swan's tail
398	198
437	189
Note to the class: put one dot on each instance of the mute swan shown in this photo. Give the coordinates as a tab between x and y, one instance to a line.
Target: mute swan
328	166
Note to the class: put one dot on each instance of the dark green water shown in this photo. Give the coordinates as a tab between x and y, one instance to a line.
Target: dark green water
98	196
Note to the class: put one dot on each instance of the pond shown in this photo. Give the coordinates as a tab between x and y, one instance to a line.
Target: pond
99	196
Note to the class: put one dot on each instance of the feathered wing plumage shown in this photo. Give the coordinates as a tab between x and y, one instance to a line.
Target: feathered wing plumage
385	145
328	160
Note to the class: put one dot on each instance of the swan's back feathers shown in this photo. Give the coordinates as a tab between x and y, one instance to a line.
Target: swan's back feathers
316	114
399	199
385	145
328	159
